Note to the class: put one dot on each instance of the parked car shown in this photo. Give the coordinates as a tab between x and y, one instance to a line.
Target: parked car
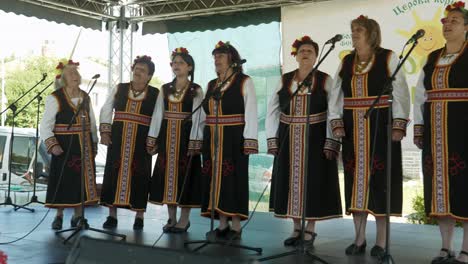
22	158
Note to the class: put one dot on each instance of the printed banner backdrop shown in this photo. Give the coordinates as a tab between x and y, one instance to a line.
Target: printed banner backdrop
398	20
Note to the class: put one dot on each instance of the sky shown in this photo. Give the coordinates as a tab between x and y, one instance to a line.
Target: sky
25	36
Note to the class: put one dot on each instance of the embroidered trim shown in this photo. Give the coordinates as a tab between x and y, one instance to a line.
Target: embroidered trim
151	141
132	117
336	123
225	120
195	145
50	142
272	143
105	128
176	115
313	119
418	130
332	145
400	124
351	103
62	129
448	95
250	146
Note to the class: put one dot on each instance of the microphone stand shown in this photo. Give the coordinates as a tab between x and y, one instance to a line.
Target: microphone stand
83	223
35	171
13	108
301	249
388	88
211	237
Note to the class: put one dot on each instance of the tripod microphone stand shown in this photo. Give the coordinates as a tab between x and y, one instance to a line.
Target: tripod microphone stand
301	249
388	90
211	237
83	223
13	108
35	170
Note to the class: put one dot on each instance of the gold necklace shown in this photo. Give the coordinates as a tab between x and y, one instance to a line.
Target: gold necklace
179	93
360	67
136	93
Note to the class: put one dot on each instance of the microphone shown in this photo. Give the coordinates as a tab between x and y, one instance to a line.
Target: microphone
96	76
44	76
238	63
419	34
336	38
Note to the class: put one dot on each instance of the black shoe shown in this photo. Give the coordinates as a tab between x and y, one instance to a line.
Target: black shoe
75	220
453	260
233	235
57	223
218	233
309	243
138	224
290	241
377	251
110	223
168	227
179	230
443	259
354	249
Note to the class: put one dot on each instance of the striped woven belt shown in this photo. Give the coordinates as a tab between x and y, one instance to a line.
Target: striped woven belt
225	120
132	117
313	119
62	129
448	95
176	115
364	102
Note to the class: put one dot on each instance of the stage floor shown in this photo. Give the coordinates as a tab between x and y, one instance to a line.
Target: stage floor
410	243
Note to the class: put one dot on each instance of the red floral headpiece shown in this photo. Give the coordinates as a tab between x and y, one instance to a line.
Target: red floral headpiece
61	66
298	42
362	17
457	5
221	44
180	50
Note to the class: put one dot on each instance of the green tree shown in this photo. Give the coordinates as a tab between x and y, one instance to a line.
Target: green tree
24	75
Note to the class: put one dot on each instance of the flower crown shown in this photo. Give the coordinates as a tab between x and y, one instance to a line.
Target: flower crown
180	50
222	44
61	66
138	59
298	42
362	17
457	5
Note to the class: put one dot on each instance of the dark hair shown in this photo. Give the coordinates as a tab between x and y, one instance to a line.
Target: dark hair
309	42
189	60
144	60
234	55
374	37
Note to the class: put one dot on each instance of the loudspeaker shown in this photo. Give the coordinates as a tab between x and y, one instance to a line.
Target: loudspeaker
97	251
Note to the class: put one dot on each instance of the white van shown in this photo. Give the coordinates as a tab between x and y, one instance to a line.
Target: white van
22	157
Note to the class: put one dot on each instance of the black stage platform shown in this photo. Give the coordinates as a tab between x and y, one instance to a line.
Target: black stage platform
410	243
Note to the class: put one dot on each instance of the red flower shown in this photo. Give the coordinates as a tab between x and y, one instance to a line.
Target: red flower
297	43
3	258
362	17
456	5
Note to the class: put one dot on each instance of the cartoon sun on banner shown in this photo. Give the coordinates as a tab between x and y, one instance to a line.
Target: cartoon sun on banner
432	40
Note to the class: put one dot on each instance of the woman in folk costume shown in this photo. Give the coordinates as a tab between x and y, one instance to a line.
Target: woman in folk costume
127	173
178	135
65	145
360	78
440	130
285	126
236	106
